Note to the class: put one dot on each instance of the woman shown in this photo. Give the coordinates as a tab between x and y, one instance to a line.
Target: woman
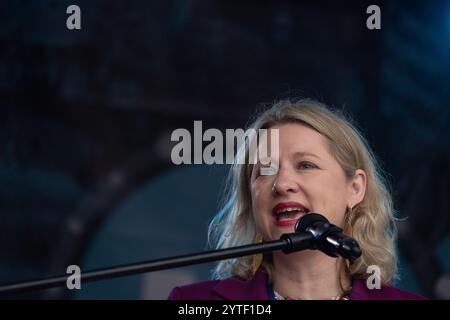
324	166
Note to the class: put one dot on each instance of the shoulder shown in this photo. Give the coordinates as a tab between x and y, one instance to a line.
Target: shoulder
232	288
362	292
195	291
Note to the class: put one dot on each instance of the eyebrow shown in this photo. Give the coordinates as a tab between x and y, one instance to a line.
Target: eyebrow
296	154
302	154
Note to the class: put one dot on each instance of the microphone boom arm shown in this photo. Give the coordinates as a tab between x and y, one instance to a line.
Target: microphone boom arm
289	242
312	231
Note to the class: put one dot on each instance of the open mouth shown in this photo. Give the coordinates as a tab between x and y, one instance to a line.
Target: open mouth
288	213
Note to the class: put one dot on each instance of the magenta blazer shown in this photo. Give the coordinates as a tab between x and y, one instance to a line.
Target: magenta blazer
234	288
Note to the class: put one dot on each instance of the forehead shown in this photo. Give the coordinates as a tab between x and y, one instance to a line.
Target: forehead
297	137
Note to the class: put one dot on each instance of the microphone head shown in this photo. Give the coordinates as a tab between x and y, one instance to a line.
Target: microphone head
328	238
308	220
349	249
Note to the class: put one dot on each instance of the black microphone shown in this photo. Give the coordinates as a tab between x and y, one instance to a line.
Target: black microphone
327	237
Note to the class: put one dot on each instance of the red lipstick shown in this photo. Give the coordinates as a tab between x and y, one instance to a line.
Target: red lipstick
287	213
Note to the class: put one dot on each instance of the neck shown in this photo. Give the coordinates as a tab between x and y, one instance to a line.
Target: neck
308	275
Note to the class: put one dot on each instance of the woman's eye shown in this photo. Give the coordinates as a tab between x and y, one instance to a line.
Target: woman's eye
306	165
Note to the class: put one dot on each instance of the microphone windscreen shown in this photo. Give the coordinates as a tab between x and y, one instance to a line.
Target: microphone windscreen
309	220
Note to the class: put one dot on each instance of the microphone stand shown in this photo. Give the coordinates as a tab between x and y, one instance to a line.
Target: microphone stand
288	243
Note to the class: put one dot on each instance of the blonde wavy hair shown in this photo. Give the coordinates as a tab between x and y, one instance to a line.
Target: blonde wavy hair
373	222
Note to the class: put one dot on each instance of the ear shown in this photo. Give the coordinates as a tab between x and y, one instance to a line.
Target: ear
357	188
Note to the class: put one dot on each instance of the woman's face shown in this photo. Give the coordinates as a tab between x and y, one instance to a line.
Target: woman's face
309	179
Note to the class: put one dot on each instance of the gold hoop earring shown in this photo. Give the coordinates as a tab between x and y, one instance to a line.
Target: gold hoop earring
348	230
257	258
349	223
348	264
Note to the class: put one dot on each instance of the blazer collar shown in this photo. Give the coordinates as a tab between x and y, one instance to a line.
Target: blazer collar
359	290
235	288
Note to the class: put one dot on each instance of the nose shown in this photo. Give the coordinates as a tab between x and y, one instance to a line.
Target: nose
284	183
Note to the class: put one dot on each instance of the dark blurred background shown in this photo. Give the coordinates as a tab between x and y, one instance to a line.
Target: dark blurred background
86	117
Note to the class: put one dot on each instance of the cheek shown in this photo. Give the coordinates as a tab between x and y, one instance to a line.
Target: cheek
257	196
260	198
332	198
260	188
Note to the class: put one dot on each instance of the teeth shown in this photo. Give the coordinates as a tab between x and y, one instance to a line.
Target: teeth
290	210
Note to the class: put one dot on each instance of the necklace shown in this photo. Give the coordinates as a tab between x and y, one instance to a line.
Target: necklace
344	296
